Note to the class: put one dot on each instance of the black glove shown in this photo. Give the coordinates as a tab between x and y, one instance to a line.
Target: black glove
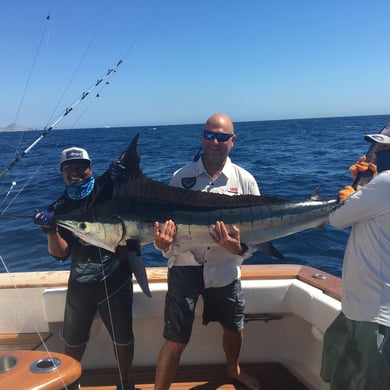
46	221
117	171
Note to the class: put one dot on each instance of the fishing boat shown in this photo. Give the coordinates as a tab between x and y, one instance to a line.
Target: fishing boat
288	309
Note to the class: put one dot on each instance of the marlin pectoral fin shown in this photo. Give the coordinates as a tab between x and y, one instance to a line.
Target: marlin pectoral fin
138	267
267	247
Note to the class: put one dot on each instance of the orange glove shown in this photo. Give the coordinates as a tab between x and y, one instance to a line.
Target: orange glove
362	166
346	192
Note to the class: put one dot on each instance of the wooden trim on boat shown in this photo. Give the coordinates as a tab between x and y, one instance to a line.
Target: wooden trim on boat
47	376
328	283
34	279
25	341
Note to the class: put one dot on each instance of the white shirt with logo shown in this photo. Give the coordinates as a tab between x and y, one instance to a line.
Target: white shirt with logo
220	266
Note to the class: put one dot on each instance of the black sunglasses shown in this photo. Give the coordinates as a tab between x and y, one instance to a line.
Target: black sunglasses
221	137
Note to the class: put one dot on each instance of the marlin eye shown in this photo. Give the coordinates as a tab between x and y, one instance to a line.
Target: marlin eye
83	225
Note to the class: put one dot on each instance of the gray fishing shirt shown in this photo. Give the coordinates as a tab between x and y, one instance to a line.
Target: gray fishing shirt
220	267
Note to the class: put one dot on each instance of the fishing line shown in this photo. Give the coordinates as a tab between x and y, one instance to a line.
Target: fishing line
4	202
28	309
101	23
17	178
23	302
110	315
48	128
143	28
32	68
97	95
110	71
7	205
129	280
19	156
127	51
16	216
48	18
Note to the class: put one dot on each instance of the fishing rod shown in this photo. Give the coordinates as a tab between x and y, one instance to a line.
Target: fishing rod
46	130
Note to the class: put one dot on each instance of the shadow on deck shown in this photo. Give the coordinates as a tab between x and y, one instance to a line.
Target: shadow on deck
272	376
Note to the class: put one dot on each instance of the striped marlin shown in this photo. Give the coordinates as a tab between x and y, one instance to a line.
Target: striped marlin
139	201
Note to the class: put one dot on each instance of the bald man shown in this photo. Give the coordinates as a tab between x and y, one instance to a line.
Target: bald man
213	272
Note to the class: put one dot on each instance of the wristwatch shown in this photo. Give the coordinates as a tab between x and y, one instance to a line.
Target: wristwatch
244	248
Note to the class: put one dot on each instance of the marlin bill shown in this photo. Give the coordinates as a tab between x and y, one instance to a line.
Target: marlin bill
139	201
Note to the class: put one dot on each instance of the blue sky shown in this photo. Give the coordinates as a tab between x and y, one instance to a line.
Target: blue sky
184	60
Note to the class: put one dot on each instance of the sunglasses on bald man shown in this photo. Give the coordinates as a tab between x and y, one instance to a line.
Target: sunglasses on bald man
221	137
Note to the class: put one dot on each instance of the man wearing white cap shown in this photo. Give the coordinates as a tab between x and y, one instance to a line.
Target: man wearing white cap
99	280
356	354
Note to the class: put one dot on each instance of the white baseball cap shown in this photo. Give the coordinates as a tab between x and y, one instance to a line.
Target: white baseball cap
74	153
377	138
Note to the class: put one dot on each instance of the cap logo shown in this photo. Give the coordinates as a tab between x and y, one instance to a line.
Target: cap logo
74	154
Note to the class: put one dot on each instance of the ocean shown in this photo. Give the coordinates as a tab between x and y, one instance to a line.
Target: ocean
289	159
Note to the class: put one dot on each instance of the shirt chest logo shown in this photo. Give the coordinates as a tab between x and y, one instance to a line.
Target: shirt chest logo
188	182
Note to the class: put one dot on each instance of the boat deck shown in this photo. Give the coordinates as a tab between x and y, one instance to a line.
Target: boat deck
272	376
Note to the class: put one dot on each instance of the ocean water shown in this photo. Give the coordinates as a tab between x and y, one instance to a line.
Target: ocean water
289	159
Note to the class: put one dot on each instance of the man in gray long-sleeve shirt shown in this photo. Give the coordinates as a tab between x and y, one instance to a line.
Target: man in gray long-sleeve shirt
356	353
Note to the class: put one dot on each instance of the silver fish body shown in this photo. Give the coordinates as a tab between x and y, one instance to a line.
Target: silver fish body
115	221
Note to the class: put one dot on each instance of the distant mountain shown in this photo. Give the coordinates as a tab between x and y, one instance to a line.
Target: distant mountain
15	127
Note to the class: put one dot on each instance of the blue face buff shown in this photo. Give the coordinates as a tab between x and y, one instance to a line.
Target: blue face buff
383	160
81	190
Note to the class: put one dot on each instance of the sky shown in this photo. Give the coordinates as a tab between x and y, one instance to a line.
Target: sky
185	60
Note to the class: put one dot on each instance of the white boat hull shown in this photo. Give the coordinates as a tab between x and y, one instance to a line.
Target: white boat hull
34	302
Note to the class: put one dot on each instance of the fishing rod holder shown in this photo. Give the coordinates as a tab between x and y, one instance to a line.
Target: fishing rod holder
319	276
7	363
45	365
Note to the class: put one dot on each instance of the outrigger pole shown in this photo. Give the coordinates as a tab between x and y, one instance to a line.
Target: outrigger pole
46	130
